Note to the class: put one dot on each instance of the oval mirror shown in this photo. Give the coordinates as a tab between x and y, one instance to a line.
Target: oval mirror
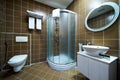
102	17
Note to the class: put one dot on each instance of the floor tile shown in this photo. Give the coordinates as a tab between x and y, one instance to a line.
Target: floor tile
42	71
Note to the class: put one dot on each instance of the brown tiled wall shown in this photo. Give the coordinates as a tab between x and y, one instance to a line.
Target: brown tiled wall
16	21
2	15
2	26
108	37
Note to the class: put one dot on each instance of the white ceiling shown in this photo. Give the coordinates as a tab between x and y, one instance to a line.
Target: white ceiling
56	3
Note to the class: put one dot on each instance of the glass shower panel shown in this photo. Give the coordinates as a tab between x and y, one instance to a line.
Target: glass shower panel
72	37
56	40
63	38
50	39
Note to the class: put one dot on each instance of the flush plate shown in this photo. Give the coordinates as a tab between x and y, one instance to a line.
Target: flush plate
21	38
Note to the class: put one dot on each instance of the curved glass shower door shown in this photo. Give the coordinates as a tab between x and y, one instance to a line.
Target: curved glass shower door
61	38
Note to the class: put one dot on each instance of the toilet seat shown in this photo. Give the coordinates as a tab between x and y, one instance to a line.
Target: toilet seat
17	58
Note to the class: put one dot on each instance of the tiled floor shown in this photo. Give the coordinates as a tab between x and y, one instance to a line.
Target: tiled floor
43	72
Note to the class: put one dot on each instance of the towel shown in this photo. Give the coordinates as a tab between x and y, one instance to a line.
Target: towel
31	23
38	24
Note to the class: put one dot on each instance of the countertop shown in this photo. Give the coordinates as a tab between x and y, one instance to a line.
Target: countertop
102	59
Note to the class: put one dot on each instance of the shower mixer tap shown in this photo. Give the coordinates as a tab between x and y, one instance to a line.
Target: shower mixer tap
56	29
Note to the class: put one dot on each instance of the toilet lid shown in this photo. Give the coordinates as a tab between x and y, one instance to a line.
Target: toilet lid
18	58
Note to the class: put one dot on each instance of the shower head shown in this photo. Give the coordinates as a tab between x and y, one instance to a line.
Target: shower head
56	13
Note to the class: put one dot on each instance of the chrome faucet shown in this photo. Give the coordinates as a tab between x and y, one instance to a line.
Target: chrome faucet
88	42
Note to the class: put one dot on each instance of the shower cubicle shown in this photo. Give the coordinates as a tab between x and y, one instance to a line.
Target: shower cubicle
61	38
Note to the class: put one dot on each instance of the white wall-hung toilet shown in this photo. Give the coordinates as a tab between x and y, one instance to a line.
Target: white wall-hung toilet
17	62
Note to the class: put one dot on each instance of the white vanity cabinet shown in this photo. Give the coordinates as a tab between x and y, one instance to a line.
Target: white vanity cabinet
83	65
96	68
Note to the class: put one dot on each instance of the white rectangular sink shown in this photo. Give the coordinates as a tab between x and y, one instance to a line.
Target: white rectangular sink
95	50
